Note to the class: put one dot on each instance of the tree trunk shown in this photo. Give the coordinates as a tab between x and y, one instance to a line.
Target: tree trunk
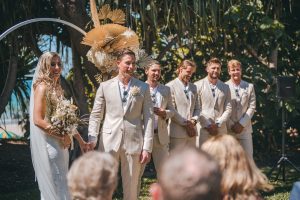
9	83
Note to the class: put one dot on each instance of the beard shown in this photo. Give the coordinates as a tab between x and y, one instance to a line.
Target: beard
155	78
187	78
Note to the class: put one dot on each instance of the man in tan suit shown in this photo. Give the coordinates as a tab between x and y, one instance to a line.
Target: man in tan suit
243	102
185	100
127	131
163	110
215	105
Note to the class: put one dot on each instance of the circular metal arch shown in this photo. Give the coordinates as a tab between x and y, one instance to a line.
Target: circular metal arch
11	29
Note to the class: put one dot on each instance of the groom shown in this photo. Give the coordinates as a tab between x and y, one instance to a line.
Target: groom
127	131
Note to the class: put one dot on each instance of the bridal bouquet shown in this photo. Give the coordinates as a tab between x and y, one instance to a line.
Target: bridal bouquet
65	117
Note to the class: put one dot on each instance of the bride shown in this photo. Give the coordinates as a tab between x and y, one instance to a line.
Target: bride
49	149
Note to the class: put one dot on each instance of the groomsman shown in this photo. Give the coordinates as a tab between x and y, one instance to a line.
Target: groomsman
243	106
127	131
214	98
163	110
185	100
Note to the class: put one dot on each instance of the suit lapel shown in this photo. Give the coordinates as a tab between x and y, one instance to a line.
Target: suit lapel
133	82
161	94
207	85
116	92
218	90
180	90
191	96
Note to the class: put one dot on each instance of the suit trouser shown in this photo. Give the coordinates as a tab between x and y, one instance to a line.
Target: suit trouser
130	172
245	139
247	144
188	142
159	153
204	135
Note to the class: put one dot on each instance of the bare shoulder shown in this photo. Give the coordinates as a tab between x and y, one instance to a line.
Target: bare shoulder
40	88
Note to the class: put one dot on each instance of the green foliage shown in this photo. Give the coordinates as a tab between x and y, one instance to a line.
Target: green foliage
263	35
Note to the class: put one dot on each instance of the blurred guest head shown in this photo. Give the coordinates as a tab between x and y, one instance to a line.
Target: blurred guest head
188	174
241	178
93	176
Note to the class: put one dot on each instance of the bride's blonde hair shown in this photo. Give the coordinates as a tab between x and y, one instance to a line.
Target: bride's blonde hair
43	67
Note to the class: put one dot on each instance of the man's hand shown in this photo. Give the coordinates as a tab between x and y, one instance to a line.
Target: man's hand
145	157
237	128
190	128
212	129
84	146
160	112
91	146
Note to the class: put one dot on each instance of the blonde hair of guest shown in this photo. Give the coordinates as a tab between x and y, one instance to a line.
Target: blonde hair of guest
241	178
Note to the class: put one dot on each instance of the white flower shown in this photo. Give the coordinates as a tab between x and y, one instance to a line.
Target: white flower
135	90
128	33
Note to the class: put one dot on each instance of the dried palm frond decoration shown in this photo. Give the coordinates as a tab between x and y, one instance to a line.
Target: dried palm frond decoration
109	36
144	59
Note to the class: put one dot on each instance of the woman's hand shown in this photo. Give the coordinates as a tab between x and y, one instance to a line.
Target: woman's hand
66	141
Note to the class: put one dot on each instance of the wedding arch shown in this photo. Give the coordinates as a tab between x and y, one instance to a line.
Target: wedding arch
12	71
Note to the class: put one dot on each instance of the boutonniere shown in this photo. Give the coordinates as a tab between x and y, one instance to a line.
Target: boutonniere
135	90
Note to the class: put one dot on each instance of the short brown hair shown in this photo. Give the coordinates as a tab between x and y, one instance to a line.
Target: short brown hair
120	54
151	63
213	61
184	65
233	63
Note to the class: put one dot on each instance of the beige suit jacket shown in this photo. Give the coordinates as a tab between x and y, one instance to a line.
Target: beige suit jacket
217	109
134	125
186	108
243	109
166	104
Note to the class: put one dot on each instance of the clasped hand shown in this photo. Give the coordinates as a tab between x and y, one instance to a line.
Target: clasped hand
160	112
190	128
237	128
212	129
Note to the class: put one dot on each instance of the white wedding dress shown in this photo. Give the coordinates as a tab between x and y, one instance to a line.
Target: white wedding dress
50	160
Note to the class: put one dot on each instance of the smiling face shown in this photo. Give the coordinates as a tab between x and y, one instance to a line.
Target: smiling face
213	71
235	71
153	73
126	65
55	67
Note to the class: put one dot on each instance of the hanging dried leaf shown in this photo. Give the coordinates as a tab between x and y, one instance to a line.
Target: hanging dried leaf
117	16
114	29
97	37
126	40
103	12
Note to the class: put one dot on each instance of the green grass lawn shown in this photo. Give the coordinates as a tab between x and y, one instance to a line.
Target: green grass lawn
17	176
